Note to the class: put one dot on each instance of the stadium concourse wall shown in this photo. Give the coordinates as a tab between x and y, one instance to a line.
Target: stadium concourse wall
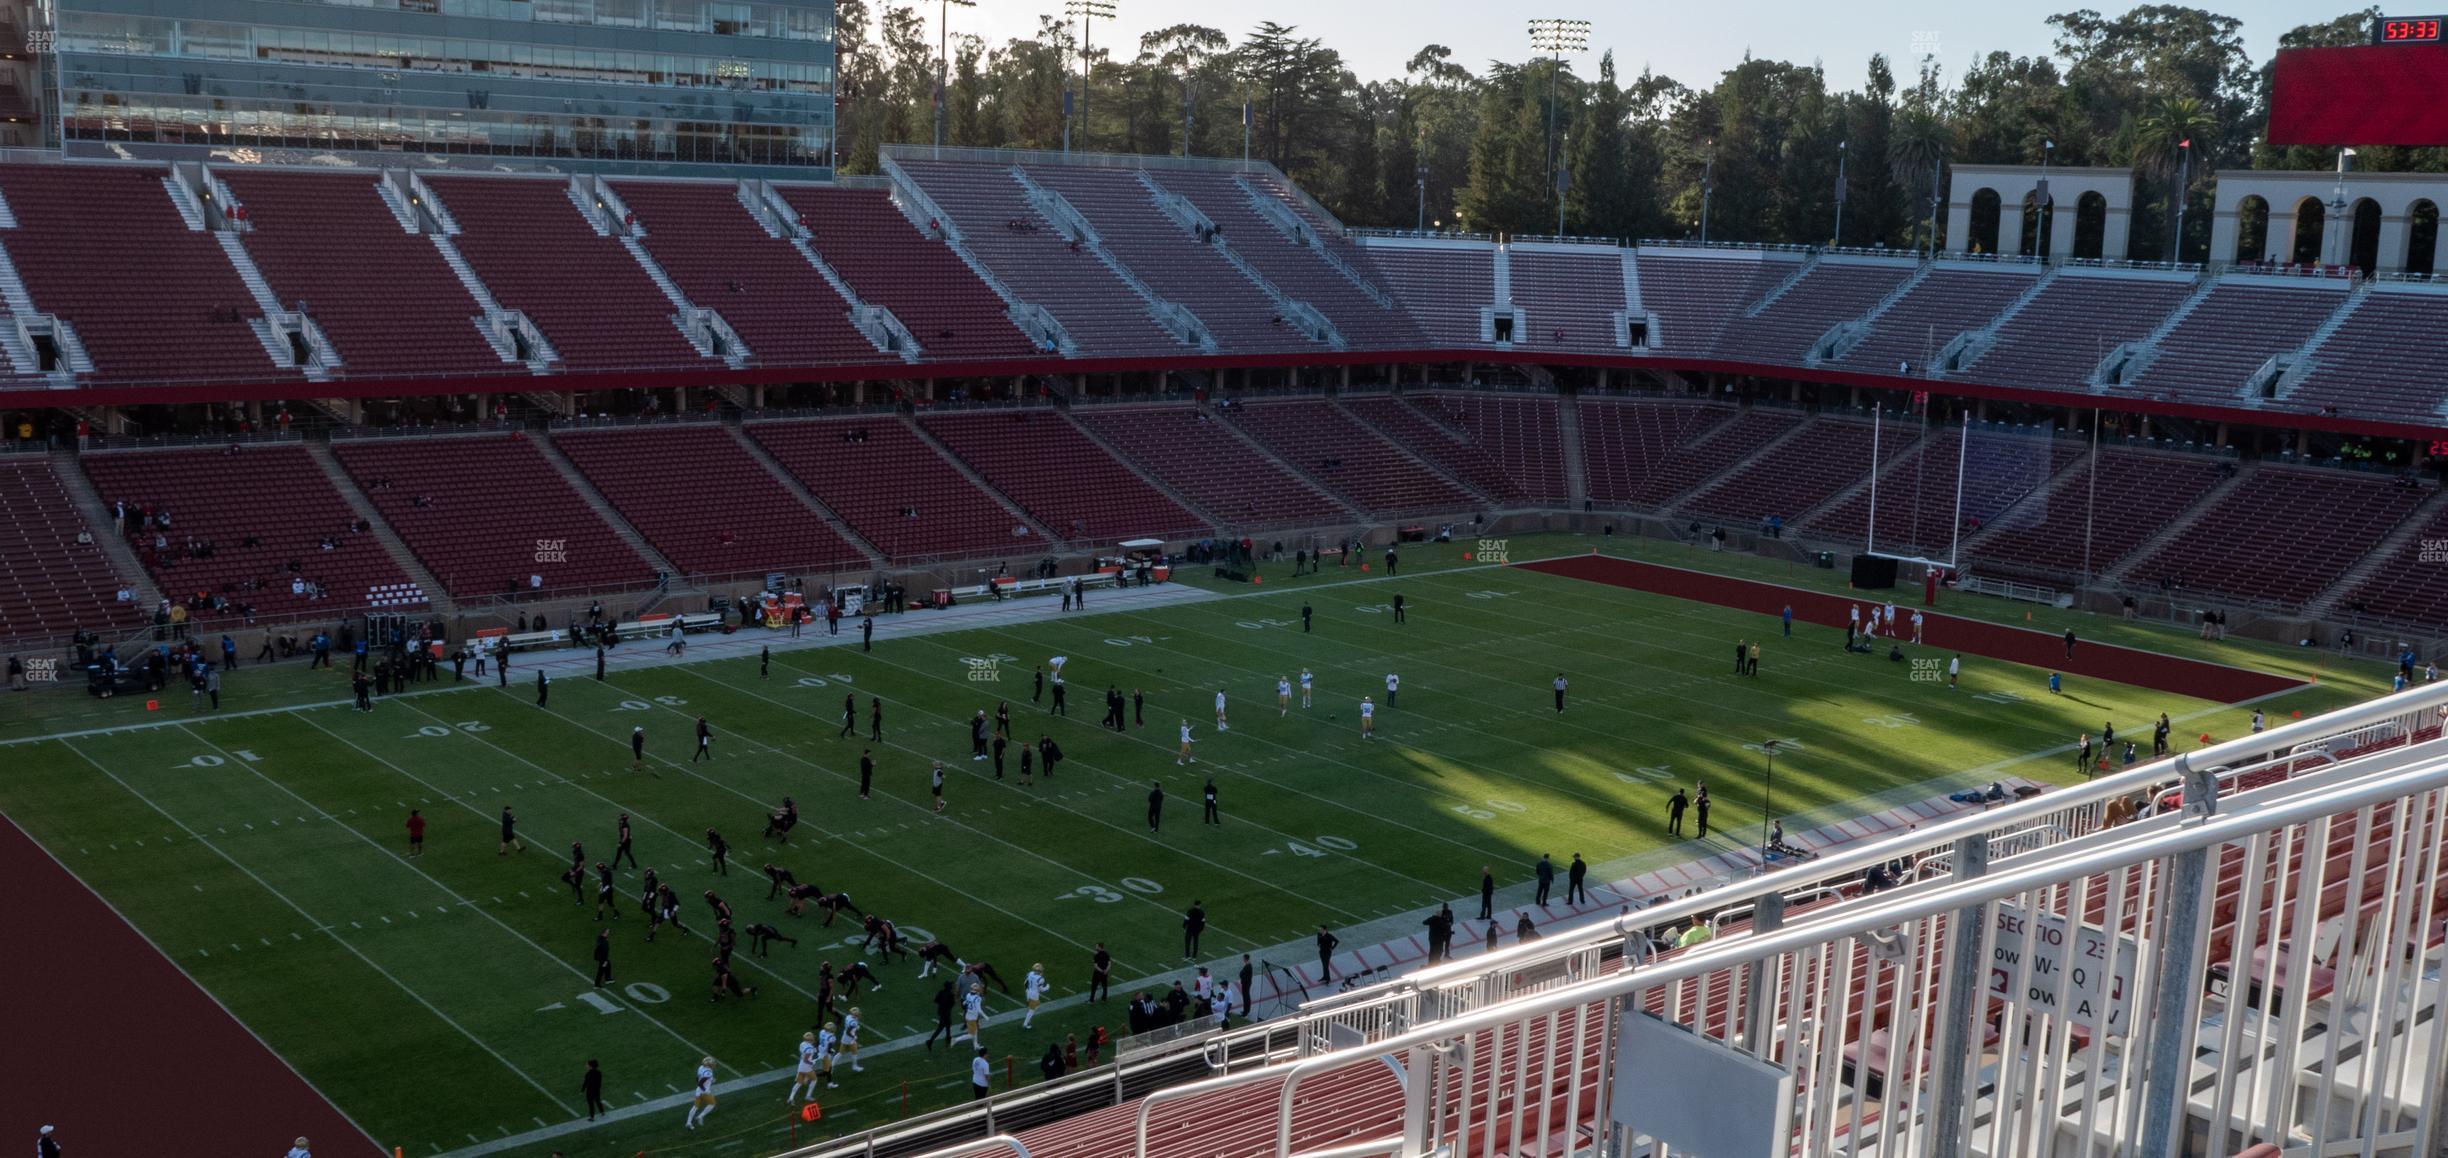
931	376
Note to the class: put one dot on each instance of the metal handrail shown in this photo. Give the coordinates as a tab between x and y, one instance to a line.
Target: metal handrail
2341	790
2240	755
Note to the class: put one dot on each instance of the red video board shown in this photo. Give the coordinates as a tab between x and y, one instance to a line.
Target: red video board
2381	94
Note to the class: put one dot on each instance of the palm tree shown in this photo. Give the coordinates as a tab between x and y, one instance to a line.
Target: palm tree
2159	141
1915	146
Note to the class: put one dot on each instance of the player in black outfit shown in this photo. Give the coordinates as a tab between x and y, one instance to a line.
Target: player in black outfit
761	935
604	892
875	719
720	850
866	772
622	849
576	876
849	714
944	1001
781	878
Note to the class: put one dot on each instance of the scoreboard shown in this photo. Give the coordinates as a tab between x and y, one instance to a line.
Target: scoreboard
2393	91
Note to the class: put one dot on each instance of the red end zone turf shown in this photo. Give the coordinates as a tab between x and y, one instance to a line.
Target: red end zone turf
114	1045
2185	677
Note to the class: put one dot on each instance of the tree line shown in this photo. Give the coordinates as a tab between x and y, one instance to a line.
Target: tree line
1762	145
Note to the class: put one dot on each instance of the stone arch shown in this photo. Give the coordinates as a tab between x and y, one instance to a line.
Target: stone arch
2252	229
2090	225
2422	237
1983	231
2360	242
2311	221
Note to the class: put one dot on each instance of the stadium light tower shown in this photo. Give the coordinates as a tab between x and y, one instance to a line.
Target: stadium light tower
1087	12
1556	37
1844	152
2337	233
1708	187
943	58
1767	801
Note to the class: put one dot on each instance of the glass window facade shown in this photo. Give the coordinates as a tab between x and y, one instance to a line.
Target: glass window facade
580	84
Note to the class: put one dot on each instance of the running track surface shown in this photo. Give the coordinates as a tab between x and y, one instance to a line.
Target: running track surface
2198	679
114	1045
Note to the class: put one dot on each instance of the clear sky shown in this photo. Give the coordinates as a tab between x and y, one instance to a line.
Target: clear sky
1692	42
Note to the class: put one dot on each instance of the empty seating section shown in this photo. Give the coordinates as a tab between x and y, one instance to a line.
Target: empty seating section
2060	337
1206	463
888	263
50	584
1058	476
1929	315
1425	438
2136	495
894	489
1445	288
1569	300
1917	496
2213	352
1833	291
2284	535
705	503
1800	474
1698	297
383	296
1315	437
2370	366
1295	268
1103	314
487	515
1644	453
722	260
531	246
2412	587
103	247
1520	433
1170	261
274	495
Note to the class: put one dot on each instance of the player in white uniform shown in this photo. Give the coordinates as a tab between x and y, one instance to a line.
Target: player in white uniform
1221	726
973	1012
1393	684
1368	719
1916	629
849	1039
1305	687
1893	628
806	1075
1184	756
701	1101
1283	697
825	1041
1034	988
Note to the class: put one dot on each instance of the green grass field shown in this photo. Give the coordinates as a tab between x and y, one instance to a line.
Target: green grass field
444	1001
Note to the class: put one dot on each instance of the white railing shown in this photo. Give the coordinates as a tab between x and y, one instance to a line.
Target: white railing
1911	1020
2308	765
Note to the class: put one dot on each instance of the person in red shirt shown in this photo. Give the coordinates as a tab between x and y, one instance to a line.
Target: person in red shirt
416	833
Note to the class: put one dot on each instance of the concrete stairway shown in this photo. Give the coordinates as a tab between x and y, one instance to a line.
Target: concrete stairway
791	483
321	452
90	504
612	516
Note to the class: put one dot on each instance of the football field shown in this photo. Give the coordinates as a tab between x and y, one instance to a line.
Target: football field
445	1002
